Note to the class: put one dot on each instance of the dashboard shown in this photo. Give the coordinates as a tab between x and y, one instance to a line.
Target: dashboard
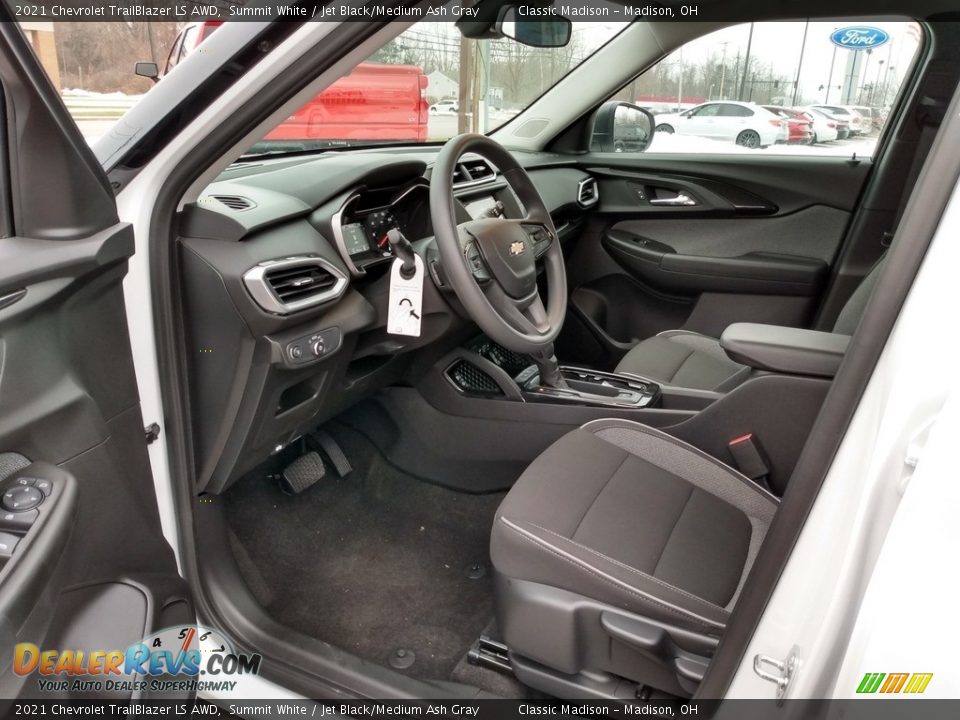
361	226
284	282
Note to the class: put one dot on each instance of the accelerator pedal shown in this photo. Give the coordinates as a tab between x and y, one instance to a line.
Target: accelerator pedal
332	449
303	472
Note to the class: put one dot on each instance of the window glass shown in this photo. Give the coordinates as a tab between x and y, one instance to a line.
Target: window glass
844	77
189	42
430	83
706	111
731	110
174	57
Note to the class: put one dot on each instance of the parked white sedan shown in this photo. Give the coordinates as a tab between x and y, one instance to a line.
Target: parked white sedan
746	124
824	125
445	107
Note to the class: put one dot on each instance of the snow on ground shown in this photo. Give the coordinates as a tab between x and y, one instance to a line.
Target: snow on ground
674	143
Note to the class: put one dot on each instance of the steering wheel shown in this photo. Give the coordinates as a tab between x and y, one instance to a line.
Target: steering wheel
491	263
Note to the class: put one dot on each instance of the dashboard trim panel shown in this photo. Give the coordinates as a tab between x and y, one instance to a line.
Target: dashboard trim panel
336	225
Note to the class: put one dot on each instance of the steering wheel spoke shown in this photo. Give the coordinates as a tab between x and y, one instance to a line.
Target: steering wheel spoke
472	255
527	315
541	236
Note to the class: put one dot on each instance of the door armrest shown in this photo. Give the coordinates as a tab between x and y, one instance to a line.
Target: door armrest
793	351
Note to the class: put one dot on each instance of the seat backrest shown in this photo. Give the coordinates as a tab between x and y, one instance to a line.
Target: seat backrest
850	315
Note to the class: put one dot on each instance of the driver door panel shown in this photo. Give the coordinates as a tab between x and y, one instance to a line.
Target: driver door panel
88	567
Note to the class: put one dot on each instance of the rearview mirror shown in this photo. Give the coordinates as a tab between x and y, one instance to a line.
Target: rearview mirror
544	32
147	70
621	127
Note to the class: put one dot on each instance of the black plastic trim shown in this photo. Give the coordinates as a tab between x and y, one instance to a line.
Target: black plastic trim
663	267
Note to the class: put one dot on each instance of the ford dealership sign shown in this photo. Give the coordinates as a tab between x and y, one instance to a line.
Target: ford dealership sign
859	37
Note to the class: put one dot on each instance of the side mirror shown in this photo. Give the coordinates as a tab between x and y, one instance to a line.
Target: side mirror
621	127
543	32
147	70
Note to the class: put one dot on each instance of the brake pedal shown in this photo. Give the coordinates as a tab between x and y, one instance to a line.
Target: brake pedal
332	449
303	472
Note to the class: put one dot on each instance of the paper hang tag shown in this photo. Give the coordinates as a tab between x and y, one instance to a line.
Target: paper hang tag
406	300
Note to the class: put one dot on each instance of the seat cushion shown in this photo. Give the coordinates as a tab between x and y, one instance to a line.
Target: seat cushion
684	359
626	515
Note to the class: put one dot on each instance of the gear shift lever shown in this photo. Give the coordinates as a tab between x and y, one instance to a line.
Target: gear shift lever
546	362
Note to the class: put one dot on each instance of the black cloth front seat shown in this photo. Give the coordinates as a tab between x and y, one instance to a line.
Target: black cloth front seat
691	360
622	550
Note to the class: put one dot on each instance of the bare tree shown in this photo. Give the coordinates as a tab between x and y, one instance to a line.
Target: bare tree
100	56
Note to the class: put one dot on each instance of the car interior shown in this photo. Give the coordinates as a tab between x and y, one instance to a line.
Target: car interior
561	485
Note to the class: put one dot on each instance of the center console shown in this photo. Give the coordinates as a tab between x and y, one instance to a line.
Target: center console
590	387
519	379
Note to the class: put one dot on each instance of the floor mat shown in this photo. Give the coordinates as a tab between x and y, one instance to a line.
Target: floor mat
374	562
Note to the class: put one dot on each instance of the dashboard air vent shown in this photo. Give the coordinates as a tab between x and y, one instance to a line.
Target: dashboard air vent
588	193
234	202
473	172
294	283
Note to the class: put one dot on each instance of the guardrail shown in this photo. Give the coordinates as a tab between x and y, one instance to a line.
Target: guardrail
98	107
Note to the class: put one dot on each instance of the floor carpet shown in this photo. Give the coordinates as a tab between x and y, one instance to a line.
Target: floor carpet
374	562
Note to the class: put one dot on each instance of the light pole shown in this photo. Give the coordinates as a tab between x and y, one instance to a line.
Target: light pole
680	85
746	65
803	47
723	67
866	68
833	59
483	50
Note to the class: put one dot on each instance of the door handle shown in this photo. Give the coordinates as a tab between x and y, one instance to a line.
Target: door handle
680	200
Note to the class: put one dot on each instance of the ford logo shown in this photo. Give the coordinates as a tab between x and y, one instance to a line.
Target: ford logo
859	37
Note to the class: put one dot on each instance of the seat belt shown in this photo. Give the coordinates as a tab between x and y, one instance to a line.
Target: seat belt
930	125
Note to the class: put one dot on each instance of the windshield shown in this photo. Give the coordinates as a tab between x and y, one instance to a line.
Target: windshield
430	83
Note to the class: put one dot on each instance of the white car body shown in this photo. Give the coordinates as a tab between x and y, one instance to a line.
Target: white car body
824	126
445	107
726	120
842	112
867	114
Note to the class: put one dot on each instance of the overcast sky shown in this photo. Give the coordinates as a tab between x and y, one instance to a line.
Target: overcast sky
779	44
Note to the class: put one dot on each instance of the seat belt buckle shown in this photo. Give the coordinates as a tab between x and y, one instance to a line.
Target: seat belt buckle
748	458
886	239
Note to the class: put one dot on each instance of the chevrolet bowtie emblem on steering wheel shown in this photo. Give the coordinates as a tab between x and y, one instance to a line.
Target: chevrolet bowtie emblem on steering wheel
517	248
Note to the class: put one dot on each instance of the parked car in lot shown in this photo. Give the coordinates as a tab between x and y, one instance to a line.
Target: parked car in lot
871	115
823	127
447	106
374	103
799	124
833	122
855	121
746	124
